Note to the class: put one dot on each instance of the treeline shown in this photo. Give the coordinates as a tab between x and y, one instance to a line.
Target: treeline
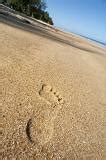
34	8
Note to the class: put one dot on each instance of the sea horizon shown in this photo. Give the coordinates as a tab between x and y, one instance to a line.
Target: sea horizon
84	36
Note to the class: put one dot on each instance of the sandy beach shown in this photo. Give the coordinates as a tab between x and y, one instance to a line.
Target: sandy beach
52	97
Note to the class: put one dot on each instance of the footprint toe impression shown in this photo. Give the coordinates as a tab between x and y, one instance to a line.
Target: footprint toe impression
50	94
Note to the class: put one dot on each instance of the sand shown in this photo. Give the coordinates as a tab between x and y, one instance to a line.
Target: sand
52	97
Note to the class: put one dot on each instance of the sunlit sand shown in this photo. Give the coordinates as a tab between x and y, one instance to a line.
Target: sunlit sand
53	97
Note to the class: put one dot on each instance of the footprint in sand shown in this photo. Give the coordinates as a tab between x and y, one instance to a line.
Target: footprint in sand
40	128
50	95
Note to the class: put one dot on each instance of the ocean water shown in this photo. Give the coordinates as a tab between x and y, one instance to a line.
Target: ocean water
91	39
96	41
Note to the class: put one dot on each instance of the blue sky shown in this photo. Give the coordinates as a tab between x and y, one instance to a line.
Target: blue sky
85	17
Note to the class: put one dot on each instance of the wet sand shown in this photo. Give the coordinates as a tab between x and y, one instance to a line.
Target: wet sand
52	97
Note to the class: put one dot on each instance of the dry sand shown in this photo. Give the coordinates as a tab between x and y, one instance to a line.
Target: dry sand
52	97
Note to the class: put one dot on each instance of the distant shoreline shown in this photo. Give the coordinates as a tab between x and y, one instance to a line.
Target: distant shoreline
64	29
88	38
98	42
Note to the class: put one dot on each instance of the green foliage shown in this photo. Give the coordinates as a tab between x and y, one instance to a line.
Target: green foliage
32	7
4	1
46	18
39	4
17	5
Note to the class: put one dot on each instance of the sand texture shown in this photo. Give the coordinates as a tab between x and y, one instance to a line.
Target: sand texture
52	97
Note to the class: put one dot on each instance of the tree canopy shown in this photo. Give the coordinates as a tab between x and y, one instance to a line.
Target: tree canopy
35	8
